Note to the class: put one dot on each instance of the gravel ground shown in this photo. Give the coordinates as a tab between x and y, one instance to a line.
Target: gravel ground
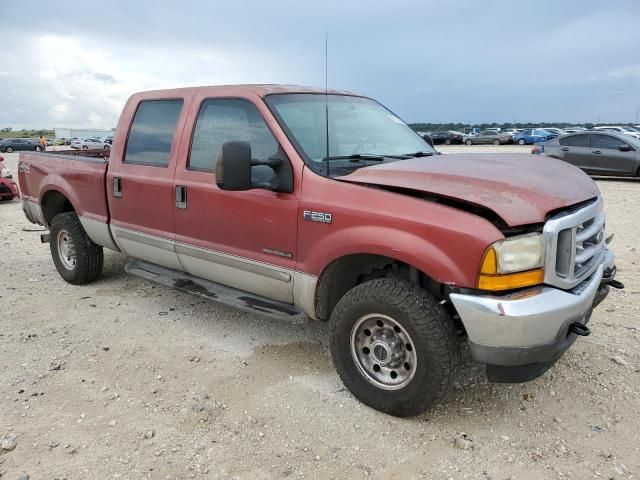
126	379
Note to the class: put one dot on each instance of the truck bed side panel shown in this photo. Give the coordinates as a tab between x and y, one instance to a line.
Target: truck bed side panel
81	180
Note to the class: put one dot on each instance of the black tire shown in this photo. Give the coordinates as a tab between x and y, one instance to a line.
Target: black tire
85	147
430	329
89	257
447	141
496	142
469	142
522	141
107	147
38	148
9	149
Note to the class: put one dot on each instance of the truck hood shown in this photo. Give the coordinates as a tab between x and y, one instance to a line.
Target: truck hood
522	189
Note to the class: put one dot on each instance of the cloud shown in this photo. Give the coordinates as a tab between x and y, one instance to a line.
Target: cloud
428	61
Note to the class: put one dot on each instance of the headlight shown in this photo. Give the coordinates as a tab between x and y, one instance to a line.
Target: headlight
5	173
513	263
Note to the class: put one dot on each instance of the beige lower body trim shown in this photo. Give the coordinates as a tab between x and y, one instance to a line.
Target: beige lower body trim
99	233
147	247
304	293
242	273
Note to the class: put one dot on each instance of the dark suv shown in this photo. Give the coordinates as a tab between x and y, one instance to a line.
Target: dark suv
449	137
9	145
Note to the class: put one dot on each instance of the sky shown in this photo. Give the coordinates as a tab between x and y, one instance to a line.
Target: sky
74	63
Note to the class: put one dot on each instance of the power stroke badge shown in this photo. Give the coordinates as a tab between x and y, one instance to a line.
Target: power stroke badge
320	217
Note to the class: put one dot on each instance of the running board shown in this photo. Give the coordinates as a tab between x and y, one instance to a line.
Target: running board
215	291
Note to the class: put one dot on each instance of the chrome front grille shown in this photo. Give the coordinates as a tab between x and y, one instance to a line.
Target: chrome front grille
575	242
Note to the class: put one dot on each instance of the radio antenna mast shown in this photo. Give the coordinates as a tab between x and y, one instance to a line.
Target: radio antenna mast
326	96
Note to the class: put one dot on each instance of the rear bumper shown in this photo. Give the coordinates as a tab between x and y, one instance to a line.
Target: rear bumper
519	336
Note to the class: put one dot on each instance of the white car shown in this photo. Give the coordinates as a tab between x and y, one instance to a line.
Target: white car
90	144
619	129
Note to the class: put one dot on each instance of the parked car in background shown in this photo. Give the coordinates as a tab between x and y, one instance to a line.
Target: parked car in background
510	131
448	137
556	131
9	145
90	144
574	129
108	140
598	152
487	136
535	135
8	187
620	129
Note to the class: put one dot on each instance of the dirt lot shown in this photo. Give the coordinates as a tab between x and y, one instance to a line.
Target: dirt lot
125	379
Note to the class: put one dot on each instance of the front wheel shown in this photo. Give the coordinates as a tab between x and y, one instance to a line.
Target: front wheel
469	142
77	258
496	142
9	150
394	346
522	141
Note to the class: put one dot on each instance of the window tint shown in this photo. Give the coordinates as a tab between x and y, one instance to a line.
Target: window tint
152	131
526	132
575	141
226	120
606	141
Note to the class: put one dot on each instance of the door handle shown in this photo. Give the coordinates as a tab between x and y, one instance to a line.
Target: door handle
181	197
565	149
117	187
597	152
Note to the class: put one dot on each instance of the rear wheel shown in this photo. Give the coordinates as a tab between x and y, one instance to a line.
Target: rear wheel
496	142
107	147
9	149
38	148
447	141
394	346
522	141
76	257
85	147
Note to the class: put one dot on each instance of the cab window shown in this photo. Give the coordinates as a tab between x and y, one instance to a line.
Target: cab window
151	133
225	120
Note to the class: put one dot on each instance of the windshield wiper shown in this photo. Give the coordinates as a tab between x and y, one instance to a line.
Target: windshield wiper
355	157
366	156
420	154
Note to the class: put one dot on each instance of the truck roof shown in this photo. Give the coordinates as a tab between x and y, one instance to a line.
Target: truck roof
261	90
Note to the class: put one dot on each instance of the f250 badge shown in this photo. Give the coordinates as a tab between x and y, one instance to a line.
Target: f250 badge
320	217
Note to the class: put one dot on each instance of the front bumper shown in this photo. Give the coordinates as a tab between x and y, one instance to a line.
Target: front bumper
519	336
8	188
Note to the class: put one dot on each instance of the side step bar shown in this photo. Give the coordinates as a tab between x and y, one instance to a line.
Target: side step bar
215	292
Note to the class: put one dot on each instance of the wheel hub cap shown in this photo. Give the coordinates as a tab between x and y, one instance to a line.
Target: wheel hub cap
66	250
383	351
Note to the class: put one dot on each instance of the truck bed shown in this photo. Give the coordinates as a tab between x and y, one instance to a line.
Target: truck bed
78	174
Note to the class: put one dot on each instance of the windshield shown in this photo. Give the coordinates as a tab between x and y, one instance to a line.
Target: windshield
360	130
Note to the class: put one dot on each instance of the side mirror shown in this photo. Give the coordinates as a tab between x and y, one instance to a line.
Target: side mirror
624	148
234	164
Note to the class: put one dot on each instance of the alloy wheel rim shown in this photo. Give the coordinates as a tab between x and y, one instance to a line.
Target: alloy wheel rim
383	351
66	250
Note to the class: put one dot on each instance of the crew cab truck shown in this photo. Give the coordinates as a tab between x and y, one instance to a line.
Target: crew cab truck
296	202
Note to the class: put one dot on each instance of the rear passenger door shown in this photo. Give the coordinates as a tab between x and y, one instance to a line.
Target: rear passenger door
245	239
608	158
140	182
575	150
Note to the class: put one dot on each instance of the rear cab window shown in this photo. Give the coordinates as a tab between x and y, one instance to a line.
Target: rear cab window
152	131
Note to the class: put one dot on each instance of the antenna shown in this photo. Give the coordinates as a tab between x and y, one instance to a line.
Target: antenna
326	95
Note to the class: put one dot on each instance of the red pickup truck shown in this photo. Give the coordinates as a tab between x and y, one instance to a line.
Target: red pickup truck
299	203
